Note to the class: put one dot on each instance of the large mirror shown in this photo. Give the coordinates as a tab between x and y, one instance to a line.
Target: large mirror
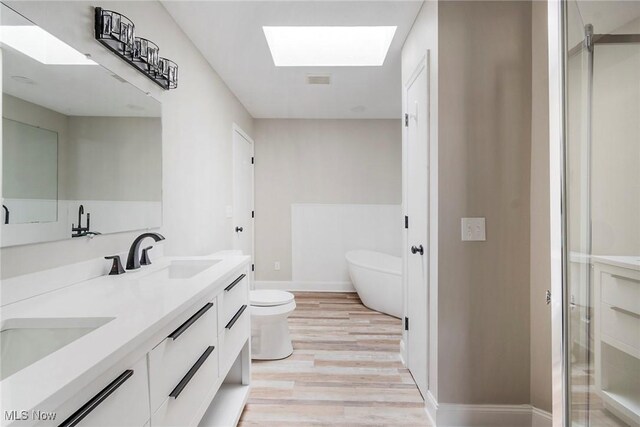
81	147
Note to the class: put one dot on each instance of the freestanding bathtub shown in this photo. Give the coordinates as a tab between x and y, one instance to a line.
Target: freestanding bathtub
377	278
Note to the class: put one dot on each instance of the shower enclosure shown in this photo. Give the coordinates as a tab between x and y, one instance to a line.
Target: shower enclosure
597	137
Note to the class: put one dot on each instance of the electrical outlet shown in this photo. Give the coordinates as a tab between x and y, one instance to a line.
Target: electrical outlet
276	266
473	230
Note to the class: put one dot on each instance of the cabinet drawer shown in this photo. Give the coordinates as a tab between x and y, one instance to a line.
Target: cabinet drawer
234	296
170	360
621	291
233	336
123	401
183	409
622	325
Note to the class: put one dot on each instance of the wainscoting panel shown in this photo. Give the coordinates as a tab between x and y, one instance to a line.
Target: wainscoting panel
322	234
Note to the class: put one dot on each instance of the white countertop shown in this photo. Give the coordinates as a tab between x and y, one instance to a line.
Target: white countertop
139	308
628	261
632	262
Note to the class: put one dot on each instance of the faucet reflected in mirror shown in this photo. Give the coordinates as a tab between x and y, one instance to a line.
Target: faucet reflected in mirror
6	214
81	231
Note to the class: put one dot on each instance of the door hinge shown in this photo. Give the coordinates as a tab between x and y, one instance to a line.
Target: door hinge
253	267
406	221
252	160
406	323
253	214
406	120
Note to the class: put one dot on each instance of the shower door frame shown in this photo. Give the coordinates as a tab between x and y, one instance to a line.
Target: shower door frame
556	13
559	53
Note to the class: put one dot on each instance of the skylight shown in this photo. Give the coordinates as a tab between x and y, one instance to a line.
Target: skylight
329	46
41	45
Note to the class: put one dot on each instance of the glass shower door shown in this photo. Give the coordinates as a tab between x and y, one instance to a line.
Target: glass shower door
602	217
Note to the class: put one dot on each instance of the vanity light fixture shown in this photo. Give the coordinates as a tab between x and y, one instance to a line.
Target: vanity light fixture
117	33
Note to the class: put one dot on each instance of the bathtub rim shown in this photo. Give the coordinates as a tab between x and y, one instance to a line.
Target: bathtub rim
373	267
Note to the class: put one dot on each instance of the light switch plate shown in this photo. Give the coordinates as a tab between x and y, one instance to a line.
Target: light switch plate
228	211
473	230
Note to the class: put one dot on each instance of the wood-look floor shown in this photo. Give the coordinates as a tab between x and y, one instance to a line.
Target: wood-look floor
345	370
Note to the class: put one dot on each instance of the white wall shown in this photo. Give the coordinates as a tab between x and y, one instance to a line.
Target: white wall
615	197
318	161
197	129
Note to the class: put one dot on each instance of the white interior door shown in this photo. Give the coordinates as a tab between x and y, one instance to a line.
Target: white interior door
416	208
242	192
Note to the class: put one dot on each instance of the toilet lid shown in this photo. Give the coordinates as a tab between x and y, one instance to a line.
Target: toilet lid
270	298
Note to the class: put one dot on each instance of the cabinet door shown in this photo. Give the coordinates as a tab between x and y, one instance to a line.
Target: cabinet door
191	396
170	360
123	401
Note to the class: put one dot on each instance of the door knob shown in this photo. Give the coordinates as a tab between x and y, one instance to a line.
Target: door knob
417	250
239	229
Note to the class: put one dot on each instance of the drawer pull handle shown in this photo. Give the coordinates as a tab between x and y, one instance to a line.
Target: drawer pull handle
235	282
631	279
96	400
175	334
184	381
627	312
235	317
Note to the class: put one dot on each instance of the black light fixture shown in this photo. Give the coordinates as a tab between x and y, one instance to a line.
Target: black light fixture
117	33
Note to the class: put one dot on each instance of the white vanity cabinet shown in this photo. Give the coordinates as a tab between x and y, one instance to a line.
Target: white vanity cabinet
234	320
119	398
181	373
617	337
177	355
215	343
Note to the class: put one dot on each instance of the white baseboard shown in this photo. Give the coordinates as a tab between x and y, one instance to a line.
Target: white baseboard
540	418
431	408
453	415
403	352
460	415
305	286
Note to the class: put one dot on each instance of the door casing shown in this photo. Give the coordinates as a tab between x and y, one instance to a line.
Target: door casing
237	131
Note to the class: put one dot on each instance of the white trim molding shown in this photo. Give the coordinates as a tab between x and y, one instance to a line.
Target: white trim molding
301	286
540	418
461	415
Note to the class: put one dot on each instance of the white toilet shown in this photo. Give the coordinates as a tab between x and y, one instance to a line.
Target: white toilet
270	338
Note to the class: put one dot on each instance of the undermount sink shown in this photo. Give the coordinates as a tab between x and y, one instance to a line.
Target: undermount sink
25	341
182	269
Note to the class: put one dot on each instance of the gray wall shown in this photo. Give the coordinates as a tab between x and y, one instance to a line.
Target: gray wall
29	161
26	112
115	158
196	137
481	134
540	226
485	133
318	161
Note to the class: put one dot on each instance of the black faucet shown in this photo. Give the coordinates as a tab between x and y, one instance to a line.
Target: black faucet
80	231
6	214
133	260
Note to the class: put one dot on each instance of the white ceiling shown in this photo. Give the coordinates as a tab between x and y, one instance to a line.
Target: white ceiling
229	35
